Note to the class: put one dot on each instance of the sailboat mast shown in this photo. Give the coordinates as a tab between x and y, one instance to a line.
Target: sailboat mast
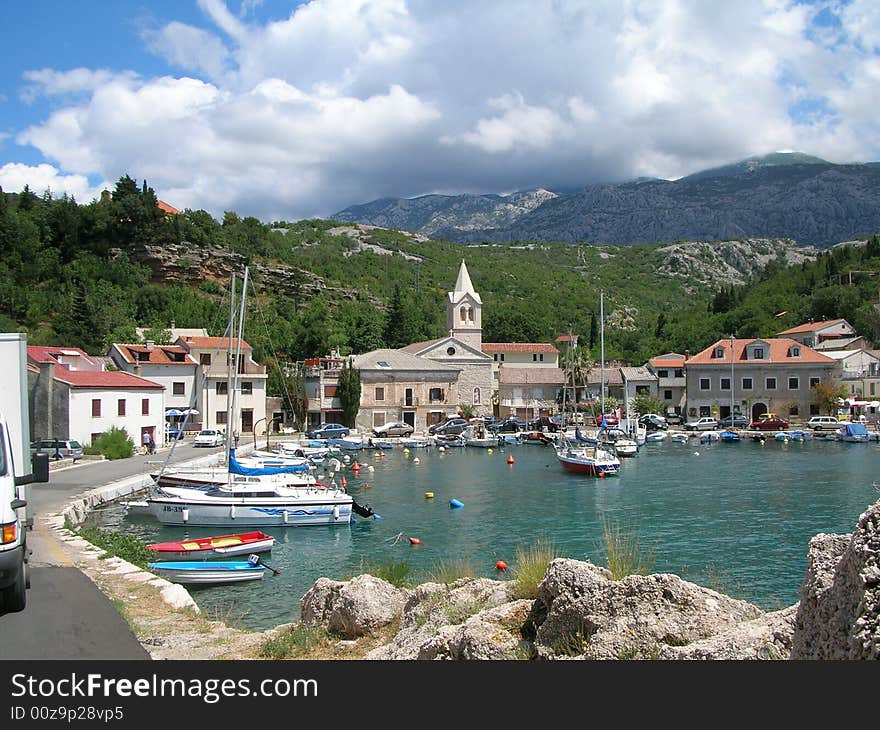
602	348
230	331
238	346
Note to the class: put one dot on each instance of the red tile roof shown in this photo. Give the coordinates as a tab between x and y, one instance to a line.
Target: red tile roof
530	376
811	327
165	208
158	355
38	353
518	347
115	379
779	349
211	343
669	360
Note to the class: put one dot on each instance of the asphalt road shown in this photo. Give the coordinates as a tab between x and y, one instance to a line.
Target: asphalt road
67	616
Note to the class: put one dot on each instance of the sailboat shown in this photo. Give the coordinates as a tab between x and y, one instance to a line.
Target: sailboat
584	456
247	494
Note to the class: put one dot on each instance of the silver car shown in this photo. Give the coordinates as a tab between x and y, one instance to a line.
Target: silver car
702	424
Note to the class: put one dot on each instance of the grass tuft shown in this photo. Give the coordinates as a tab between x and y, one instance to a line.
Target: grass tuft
624	552
449	571
293	642
531	567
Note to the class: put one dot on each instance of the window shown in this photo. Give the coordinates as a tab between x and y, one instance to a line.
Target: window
643	389
815	381
221	418
120	407
770	384
383	364
450	351
662	373
679	373
794	383
872	389
435	417
747	384
178	388
96	407
725	383
758	353
718	352
667	395
380	395
538	357
435	394
814	409
495	356
205	358
795	351
793	411
704	384
477	396
330	391
222	388
378	418
247	420
247	388
145	406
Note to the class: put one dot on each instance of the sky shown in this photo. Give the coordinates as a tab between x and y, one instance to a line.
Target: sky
286	110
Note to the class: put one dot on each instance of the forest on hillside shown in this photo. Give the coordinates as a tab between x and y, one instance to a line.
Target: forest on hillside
70	274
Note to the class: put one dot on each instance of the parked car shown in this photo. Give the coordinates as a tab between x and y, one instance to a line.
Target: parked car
59	448
823	423
449	427
738	421
545	422
394	428
653	422
707	423
773	423
508	425
329	431
609	419
209	437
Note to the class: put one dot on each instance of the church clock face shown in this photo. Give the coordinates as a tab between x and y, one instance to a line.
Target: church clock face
450	351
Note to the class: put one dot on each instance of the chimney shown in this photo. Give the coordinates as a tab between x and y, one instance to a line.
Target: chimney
173	324
687	355
150	344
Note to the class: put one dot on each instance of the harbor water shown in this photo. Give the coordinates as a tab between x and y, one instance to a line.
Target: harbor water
733	517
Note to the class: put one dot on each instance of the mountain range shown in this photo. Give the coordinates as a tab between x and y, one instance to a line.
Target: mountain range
781	195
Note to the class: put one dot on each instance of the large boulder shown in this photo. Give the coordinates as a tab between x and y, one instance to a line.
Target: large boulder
352	608
581	612
839	612
472	618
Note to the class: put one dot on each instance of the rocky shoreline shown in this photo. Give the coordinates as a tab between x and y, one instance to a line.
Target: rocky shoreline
579	612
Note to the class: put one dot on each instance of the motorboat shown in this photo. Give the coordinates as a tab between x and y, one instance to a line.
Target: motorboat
618	440
679	438
730	437
219	546
855	433
589	460
655	437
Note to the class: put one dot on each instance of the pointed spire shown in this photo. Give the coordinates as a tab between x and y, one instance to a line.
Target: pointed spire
463	282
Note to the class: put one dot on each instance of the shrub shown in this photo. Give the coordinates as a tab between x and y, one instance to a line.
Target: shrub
624	552
113	444
118	545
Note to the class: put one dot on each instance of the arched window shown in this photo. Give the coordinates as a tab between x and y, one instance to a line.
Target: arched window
462	313
470	311
477	400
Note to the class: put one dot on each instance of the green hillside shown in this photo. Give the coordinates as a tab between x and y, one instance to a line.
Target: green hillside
87	275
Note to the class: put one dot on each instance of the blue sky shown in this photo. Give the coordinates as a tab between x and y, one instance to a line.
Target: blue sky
285	110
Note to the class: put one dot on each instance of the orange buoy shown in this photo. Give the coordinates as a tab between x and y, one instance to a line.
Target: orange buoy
366	486
601	475
344	483
501	565
355	466
415	541
510	459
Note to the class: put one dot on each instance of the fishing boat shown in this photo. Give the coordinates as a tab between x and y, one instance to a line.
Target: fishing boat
453	440
219	546
655	437
589	460
854	433
730	437
617	440
416	443
190	572
679	438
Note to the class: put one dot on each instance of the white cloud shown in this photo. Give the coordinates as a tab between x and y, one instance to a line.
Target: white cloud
344	101
39	178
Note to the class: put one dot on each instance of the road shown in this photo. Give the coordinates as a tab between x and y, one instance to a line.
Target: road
67	616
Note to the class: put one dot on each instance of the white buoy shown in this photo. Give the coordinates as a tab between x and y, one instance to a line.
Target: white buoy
371	468
696	453
416	460
185	515
232	512
441	448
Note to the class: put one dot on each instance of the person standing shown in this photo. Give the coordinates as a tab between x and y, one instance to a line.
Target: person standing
146	438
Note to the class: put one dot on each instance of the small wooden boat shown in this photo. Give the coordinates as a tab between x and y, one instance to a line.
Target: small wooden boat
207	573
221	546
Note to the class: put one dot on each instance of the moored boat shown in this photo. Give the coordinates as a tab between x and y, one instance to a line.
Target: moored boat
245	543
207	573
589	460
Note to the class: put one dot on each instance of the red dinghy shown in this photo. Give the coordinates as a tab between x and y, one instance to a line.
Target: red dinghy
221	546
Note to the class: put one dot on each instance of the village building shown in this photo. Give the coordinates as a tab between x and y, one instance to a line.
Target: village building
814	333
671	381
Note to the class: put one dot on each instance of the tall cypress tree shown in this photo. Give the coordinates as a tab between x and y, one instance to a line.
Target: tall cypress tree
349	392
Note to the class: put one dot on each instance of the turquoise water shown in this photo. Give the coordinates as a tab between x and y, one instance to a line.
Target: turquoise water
734	517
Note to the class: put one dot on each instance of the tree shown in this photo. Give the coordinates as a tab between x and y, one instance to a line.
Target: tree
828	394
646	403
349	392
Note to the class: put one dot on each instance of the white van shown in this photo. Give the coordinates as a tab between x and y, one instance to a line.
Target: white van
13	531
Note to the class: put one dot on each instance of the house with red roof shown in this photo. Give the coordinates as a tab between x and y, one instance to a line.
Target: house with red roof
73	397
755	376
812	333
671	381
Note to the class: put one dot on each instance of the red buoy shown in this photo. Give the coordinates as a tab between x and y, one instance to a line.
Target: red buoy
501	565
355	466
510	459
366	486
415	541
601	475
344	483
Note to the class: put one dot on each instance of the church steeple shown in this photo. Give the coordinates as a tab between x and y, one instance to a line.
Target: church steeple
464	310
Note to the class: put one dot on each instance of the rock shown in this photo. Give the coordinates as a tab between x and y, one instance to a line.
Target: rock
766	637
352	608
581	612
839	611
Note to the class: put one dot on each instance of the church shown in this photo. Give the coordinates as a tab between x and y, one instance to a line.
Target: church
425	382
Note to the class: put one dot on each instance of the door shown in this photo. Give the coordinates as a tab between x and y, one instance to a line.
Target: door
409	418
